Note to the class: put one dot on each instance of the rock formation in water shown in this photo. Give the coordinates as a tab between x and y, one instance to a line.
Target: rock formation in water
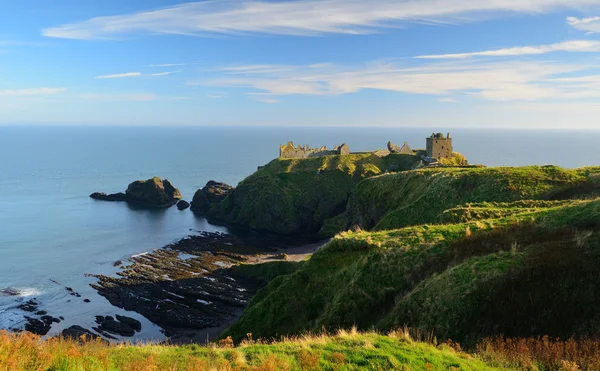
182	205
211	195
153	192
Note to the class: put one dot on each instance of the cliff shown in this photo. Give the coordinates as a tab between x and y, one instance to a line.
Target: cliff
295	196
512	268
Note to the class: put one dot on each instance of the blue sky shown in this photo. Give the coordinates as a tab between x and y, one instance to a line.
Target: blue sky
430	63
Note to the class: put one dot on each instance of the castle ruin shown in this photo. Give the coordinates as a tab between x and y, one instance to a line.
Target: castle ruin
292	151
439	146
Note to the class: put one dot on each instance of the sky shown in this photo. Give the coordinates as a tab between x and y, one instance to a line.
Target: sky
400	63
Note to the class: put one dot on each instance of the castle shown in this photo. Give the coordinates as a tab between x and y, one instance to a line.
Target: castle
438	147
292	151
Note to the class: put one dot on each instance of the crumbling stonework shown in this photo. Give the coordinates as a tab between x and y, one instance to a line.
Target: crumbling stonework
405	149
439	146
292	151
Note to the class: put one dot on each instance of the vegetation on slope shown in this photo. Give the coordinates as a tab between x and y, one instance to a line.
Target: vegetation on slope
343	351
421	196
295	196
518	275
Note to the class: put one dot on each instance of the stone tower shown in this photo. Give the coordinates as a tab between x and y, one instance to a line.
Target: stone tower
439	146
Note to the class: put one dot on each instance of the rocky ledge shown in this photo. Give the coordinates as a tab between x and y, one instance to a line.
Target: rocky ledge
153	192
209	196
186	288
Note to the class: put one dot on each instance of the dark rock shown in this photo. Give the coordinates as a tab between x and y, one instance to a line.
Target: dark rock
29	306
112	197
49	320
118	328
106	335
37	326
61	318
76	333
182	205
132	322
117	263
41	313
153	192
212	194
86	300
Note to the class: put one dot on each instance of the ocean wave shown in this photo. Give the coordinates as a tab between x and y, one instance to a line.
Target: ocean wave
20	291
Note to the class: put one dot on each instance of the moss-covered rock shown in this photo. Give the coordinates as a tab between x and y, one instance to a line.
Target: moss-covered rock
153	192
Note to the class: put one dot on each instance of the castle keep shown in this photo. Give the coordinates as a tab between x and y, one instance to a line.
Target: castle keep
292	151
439	146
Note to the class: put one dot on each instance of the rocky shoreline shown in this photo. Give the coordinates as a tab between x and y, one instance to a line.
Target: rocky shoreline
188	288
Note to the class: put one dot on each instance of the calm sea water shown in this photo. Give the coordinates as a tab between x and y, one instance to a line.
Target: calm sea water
50	230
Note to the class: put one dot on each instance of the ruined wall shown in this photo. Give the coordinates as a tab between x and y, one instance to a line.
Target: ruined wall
292	151
439	146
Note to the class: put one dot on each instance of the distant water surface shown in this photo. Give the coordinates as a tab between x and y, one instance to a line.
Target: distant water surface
50	230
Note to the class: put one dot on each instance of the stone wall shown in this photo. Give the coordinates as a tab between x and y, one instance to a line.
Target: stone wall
290	150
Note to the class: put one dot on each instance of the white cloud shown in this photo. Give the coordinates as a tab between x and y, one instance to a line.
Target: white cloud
120	75
300	17
590	25
507	81
31	92
267	100
566	46
168	65
165	73
447	100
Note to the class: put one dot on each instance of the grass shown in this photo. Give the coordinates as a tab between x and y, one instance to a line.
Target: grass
516	275
295	196
344	350
421	196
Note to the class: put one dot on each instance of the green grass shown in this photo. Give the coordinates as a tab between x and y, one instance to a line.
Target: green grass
455	279
421	196
342	351
295	196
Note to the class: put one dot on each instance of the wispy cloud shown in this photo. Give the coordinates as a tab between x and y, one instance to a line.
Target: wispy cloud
447	100
165	73
217	95
31	92
566	46
135	97
507	81
120	75
590	25
266	100
300	17
168	65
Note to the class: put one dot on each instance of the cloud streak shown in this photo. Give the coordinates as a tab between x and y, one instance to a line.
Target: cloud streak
299	17
165	73
120	75
566	46
506	81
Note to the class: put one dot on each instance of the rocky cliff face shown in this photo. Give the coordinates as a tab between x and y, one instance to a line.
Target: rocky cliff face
209	196
153	192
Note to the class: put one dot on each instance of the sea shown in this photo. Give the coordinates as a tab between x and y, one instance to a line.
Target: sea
52	234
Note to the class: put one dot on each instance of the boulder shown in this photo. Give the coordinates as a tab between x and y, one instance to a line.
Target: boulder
153	192
212	194
110	325
182	205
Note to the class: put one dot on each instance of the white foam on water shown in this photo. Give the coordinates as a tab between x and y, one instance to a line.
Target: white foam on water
204	302
20	291
138	255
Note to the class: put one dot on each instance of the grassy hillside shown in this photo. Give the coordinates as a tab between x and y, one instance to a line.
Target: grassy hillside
343	351
295	196
517	275
421	196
